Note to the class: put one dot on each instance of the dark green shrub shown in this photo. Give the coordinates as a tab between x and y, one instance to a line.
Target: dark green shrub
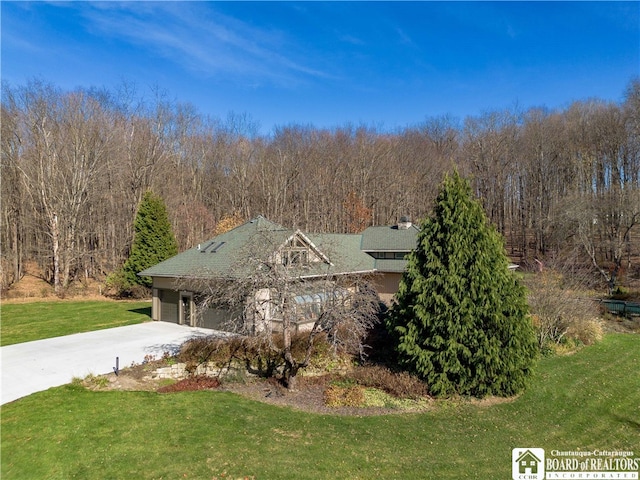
153	242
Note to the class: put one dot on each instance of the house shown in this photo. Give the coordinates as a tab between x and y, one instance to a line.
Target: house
528	463
315	261
312	257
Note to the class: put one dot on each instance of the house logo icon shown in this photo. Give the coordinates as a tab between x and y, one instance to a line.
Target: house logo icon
527	463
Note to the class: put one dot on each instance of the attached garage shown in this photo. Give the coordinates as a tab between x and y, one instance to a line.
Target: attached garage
168	305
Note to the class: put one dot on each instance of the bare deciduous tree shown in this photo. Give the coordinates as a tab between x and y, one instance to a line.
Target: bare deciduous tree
76	163
276	295
69	142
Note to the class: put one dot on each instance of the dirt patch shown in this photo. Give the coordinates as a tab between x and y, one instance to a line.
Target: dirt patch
29	287
620	324
33	288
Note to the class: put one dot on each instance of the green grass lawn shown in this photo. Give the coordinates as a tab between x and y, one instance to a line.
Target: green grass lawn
589	400
24	322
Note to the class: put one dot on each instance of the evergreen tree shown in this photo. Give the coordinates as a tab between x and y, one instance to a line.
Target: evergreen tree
460	321
153	240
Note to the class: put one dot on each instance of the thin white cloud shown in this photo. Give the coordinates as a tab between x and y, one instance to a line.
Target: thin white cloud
352	40
203	40
404	37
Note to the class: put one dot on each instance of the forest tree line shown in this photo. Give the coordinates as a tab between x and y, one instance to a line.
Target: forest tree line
558	184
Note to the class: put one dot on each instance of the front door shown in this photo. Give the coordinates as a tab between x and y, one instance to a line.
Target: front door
185	309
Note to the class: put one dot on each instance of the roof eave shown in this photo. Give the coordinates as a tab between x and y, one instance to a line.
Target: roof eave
330	274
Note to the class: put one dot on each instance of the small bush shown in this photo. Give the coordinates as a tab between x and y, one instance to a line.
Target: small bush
344	396
259	355
620	293
117	285
398	384
587	332
560	315
377	398
206	349
94	381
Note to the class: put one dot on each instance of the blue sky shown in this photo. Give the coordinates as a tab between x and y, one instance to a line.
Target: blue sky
383	64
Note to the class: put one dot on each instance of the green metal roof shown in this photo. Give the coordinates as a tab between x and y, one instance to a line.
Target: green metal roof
227	255
389	239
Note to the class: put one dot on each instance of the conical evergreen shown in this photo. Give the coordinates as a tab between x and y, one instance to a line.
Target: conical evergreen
153	241
460	321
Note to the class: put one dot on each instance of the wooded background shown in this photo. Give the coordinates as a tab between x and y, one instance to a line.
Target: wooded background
560	185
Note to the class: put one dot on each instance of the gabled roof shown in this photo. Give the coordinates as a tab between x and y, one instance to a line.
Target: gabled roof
389	239
344	251
219	255
527	455
228	254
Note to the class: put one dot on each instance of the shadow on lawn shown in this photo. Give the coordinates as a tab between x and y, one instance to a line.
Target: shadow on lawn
627	421
142	311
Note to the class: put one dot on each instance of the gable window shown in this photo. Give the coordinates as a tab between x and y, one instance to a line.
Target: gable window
296	252
295	256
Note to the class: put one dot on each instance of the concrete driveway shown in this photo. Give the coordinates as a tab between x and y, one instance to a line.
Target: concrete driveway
35	366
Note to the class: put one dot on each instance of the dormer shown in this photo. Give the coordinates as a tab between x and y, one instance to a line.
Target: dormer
298	250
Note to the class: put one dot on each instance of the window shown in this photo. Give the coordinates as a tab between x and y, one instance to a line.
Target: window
389	255
295	256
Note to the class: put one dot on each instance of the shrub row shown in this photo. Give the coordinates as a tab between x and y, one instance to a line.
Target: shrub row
261	355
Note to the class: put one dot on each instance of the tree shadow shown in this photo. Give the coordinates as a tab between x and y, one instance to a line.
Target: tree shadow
142	311
634	424
379	343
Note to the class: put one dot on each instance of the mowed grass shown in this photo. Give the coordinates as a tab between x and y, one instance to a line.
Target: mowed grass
589	400
24	322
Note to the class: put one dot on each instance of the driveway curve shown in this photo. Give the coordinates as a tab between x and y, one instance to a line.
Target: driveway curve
35	366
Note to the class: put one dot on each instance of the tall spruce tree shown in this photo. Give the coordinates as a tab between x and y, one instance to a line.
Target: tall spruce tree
153	240
460	321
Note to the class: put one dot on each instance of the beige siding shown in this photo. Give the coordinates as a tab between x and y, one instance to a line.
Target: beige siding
219	319
164	283
387	285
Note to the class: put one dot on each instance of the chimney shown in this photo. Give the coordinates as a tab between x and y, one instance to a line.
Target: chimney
404	223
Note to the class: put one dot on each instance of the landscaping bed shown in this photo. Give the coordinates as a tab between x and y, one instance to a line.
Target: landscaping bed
313	394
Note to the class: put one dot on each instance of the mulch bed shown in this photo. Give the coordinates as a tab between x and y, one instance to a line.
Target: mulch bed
200	382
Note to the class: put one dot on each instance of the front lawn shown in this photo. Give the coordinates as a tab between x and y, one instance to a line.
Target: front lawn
24	322
589	400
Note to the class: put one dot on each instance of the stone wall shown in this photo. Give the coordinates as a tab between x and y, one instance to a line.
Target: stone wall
179	371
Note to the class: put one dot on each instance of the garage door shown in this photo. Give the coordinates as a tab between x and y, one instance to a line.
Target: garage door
169	305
